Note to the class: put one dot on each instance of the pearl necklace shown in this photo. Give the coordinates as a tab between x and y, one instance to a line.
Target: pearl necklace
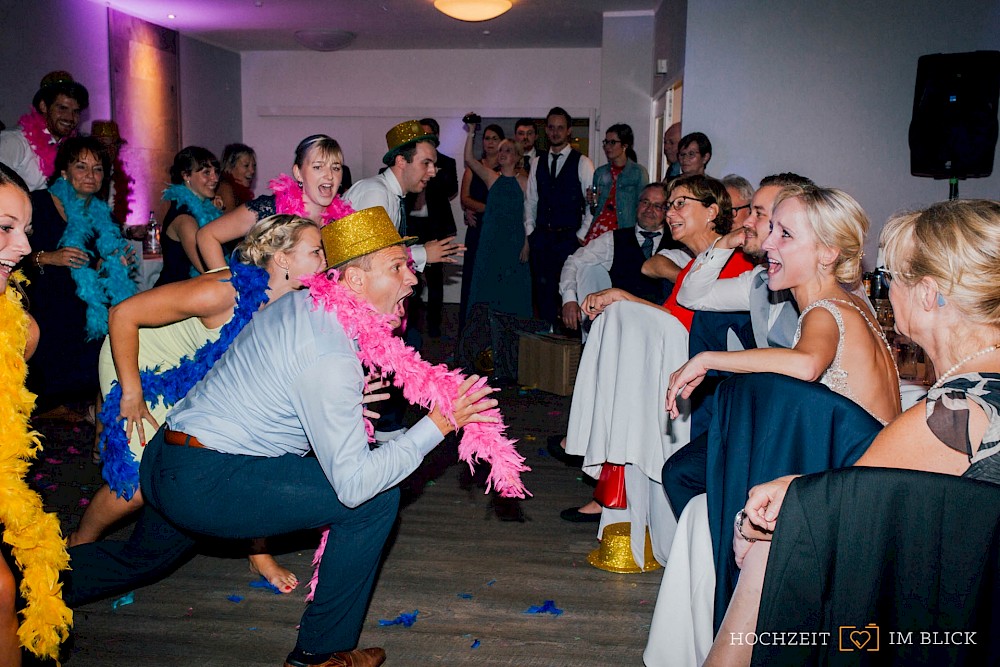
947	374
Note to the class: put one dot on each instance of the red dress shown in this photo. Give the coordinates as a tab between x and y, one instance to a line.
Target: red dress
607	219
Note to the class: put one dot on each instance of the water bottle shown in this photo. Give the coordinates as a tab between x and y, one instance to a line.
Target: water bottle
151	244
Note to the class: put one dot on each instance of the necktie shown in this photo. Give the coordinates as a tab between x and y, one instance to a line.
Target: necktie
555	159
402	216
647	245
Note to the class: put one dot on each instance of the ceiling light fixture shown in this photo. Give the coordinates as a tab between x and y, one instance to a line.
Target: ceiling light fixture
472	10
324	40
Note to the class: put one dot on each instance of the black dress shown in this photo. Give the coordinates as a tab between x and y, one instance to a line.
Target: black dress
64	367
176	265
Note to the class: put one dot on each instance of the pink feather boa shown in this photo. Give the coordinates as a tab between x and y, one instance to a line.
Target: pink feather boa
288	200
37	134
423	384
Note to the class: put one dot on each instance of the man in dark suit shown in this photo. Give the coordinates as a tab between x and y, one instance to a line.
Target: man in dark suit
431	218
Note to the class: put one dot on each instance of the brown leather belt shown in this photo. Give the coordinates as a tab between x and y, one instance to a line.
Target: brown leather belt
181	439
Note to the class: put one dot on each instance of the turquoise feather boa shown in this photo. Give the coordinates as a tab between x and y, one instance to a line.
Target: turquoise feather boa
202	210
89	220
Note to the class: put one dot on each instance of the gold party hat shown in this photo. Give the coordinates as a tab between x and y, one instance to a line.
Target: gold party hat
360	233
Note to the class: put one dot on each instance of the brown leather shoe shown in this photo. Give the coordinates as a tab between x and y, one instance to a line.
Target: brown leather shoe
360	657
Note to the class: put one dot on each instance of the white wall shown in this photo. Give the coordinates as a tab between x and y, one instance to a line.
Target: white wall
825	89
356	96
211	111
45	35
626	69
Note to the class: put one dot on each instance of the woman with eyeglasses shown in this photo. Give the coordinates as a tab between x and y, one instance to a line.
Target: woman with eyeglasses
694	153
614	195
631	346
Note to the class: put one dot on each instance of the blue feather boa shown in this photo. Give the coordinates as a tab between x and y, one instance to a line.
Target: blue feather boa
110	283
121	470
202	210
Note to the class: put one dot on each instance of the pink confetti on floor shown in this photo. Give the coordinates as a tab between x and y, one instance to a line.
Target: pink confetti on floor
73	450
84	502
39	476
554	413
53	461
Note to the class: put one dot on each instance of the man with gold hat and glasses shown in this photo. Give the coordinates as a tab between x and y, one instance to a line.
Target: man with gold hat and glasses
410	162
30	149
231	460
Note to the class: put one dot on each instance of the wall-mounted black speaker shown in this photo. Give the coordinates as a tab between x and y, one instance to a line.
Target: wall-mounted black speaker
953	133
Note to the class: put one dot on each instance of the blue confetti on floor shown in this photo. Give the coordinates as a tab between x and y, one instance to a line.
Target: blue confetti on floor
404	619
126	599
547	607
235	599
465	596
475	644
265	584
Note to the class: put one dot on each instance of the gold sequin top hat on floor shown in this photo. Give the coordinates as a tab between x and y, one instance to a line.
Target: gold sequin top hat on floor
615	552
406	133
360	233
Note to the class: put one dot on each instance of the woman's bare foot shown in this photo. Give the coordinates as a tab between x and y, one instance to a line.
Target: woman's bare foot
281	578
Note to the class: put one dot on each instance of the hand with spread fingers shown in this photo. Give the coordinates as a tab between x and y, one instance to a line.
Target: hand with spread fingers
443	250
373	383
471	406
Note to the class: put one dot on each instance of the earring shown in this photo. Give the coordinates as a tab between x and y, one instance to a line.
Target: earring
940	300
299	184
286	274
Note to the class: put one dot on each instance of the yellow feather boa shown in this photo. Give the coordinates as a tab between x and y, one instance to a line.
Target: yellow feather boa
34	535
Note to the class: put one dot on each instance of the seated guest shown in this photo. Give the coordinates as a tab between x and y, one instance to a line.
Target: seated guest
310	192
617	411
231	461
952	314
741	192
239	166
80	267
194	176
694	153
32	551
178	330
813	250
614	195
773	320
616	259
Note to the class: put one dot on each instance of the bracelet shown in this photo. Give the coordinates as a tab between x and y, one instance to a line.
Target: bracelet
38	264
740	518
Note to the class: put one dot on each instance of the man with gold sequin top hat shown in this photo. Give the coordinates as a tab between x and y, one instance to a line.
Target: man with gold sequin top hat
410	162
30	149
231	460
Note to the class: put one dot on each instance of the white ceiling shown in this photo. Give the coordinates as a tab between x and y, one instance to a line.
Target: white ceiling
253	25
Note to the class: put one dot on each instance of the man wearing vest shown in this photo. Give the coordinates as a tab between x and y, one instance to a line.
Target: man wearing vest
556	219
616	259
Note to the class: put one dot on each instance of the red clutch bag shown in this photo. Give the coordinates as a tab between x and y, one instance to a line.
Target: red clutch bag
610	491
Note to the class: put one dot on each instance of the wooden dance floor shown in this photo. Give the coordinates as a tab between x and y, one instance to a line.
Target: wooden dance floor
470	576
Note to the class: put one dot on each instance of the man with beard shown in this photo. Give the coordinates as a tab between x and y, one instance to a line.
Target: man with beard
30	149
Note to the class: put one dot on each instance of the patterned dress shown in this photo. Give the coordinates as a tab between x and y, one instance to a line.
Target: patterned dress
948	418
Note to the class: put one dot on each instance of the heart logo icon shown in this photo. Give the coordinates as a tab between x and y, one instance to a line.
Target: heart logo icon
860	638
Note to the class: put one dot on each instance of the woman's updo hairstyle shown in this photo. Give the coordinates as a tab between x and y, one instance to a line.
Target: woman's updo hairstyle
271	235
957	244
190	160
327	146
709	191
838	221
